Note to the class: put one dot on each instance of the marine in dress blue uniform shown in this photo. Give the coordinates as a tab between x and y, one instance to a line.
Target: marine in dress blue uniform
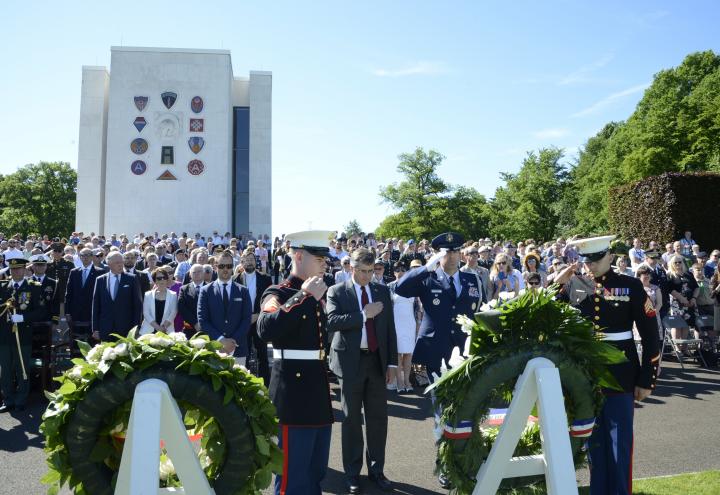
294	320
614	303
442	302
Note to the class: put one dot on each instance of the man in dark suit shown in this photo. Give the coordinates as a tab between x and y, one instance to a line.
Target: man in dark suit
117	303
224	310
256	283
188	300
80	288
363	349
130	266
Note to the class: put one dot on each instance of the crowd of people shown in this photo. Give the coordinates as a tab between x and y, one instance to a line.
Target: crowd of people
222	285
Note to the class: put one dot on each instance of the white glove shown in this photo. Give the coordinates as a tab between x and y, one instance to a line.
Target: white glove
18	318
434	262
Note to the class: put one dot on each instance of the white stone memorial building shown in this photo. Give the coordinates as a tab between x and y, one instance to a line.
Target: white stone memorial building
171	140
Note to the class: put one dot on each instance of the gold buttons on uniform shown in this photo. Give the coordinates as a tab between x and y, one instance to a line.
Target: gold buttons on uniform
597	317
597	327
297	375
599	285
597	308
304	317
597	299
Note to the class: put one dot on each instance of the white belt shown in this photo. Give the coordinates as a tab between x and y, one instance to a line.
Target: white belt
316	354
618	336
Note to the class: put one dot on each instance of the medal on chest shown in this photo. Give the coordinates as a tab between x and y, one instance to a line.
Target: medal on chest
617	294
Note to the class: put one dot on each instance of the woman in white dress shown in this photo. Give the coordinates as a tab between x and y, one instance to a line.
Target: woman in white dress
405	329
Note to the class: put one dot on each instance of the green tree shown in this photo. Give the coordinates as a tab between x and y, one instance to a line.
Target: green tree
427	205
39	198
421	191
528	205
674	128
352	228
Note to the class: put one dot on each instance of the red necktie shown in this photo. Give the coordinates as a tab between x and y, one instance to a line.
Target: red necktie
369	323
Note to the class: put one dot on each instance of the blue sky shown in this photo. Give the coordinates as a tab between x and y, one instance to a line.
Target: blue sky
357	83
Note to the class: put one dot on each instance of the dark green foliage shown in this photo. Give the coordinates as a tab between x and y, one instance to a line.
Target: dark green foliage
427	205
675	128
39	198
663	207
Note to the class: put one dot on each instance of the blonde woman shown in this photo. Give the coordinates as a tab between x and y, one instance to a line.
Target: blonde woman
507	282
683	290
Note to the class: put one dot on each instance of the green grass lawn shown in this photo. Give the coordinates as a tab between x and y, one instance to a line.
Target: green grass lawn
705	483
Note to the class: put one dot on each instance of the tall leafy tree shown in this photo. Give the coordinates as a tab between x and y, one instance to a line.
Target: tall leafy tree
353	228
39	198
421	191
528	205
674	128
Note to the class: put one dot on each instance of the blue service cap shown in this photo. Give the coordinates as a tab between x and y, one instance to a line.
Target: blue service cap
449	241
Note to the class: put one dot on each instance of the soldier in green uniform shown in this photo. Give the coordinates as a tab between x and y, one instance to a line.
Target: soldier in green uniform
22	304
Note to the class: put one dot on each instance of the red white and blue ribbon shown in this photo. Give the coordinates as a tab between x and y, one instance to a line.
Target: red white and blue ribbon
461	431
582	428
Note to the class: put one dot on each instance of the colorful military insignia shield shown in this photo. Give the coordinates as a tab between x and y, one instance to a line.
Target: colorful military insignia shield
196	143
195	167
197	125
168	98
196	104
139	146
141	102
138	167
167	175
140	123
649	308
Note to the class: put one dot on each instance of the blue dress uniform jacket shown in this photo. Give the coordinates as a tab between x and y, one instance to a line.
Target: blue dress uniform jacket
293	319
439	331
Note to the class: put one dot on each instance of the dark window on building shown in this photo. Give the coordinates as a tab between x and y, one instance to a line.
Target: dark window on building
241	170
168	156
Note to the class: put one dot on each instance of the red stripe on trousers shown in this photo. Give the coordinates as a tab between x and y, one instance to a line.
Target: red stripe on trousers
286	454
632	447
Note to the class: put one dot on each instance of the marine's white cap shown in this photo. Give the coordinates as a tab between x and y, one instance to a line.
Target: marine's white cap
315	242
592	248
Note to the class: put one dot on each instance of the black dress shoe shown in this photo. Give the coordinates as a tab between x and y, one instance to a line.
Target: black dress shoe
6	408
444	482
381	481
352	484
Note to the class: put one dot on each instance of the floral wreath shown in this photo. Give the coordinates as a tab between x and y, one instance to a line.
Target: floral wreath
230	419
502	342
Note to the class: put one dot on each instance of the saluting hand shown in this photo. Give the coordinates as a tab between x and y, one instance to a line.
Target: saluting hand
434	262
315	286
567	273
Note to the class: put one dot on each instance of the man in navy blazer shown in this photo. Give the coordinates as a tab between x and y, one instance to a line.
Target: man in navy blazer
80	288
117	302
225	310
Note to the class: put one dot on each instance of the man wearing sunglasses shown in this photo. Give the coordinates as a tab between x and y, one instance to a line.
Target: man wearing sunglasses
617	303
225	310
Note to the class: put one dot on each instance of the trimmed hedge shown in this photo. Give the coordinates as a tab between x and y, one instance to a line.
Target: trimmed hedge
663	207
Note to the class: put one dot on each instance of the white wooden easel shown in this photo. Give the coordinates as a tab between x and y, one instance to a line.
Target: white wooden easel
539	383
155	415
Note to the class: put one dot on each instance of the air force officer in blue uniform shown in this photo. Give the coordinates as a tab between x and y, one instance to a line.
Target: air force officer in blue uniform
445	293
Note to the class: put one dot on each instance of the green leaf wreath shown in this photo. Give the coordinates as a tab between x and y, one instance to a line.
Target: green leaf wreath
236	445
502	341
